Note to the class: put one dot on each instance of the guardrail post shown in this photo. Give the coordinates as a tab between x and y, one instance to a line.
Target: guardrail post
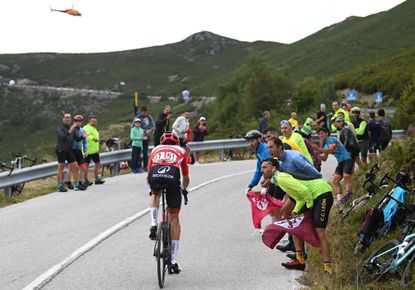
7	191
116	168
221	155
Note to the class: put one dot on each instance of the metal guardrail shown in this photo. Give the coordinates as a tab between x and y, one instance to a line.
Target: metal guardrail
50	169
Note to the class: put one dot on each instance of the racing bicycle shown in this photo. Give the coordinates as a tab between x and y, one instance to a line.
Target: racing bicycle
386	261
371	190
387	213
163	247
19	162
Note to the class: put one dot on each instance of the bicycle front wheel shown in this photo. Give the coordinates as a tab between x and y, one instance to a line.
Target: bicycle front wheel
375	267
408	276
159	254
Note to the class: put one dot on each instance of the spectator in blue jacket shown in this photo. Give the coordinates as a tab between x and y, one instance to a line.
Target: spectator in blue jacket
254	138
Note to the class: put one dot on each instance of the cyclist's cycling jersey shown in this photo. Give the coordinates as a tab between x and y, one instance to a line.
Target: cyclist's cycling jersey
169	155
339	152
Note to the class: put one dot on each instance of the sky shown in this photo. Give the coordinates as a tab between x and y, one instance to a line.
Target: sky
112	25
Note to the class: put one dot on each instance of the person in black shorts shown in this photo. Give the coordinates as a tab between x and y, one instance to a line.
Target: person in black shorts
65	134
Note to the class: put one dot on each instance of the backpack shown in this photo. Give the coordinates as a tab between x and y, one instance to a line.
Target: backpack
372	222
385	131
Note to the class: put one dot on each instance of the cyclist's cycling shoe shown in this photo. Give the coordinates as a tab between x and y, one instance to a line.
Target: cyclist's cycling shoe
346	198
87	183
327	269
99	181
80	187
69	185
175	269
294	265
62	188
153	233
285	248
294	256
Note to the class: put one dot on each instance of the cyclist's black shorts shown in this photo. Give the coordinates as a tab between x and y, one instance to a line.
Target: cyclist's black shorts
79	157
94	157
276	191
363	147
344	168
321	210
65	156
168	176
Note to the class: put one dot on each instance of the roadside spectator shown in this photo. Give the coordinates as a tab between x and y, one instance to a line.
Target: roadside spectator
294	120
288	144
137	137
162	124
310	124
336	108
65	134
79	147
93	150
348	124
322	117
180	127
346	137
386	129
344	169
147	123
287	131
199	133
374	129
263	122
362	135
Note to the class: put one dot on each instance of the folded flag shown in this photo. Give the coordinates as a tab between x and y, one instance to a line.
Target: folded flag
301	226
261	206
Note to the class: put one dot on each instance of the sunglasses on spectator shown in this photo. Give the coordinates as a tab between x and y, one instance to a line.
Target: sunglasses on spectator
284	122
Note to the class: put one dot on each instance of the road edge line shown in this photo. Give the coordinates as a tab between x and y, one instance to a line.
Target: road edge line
47	276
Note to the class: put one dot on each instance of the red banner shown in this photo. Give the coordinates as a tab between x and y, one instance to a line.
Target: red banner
301	226
261	206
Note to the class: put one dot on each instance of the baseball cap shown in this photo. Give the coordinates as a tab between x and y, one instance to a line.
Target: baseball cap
137	120
202	119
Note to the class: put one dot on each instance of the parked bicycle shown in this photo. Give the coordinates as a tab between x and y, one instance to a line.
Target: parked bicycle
387	261
21	161
371	190
4	167
388	212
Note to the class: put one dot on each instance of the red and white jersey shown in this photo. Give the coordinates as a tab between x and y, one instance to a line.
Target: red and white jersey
169	155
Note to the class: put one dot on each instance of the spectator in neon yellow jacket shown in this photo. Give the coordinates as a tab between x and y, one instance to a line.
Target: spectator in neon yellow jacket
336	108
92	140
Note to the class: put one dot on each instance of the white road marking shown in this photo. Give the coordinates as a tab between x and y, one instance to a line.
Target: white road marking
43	279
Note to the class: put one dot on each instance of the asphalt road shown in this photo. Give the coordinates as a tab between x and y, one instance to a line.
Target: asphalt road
216	250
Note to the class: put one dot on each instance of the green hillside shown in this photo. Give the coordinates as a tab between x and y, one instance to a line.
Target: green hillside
355	41
390	75
198	63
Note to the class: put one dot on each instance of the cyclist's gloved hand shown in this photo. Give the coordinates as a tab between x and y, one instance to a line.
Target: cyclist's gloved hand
184	192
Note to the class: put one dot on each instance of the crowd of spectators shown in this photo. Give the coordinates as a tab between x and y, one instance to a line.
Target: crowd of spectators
290	164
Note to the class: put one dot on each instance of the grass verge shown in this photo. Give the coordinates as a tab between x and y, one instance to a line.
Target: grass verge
343	236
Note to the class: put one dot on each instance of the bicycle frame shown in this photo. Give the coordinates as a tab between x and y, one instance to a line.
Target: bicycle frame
399	259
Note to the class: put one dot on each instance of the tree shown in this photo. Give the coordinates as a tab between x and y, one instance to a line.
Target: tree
405	113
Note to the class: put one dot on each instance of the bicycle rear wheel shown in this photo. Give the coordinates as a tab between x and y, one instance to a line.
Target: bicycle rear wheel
374	268
408	276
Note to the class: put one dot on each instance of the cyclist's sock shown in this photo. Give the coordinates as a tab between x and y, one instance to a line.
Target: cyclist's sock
86	180
60	184
300	257
154	212
175	251
339	196
76	183
96	177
